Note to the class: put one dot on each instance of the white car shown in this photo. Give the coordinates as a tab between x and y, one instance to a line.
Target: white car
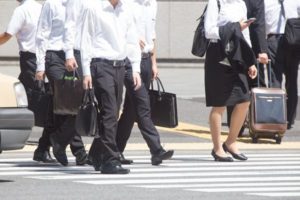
16	121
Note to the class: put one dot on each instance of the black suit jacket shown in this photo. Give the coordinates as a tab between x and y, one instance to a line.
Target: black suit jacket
256	8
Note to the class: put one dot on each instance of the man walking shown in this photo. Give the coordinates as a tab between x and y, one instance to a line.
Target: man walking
283	59
137	103
50	59
109	44
23	25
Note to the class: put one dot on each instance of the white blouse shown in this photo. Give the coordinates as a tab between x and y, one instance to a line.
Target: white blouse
231	11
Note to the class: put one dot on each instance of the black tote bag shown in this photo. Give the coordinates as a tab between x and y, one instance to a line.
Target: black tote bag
68	94
39	102
163	106
86	119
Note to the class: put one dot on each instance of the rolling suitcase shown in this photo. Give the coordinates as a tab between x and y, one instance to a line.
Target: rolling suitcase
267	114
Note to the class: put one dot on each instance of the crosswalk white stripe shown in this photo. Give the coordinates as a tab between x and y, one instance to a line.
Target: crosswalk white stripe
210	159
209	156
156	169
213	164
251	156
194	164
249	189
277	194
44	168
194	180
30	173
164	186
168	175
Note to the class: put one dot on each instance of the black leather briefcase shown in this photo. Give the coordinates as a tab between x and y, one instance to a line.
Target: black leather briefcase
163	106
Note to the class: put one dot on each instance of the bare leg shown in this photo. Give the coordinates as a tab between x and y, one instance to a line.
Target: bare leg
215	122
237	119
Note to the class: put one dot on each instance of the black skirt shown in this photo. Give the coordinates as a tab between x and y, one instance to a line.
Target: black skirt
224	85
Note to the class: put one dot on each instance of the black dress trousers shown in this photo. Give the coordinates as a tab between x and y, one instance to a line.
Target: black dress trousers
137	108
108	85
27	78
64	125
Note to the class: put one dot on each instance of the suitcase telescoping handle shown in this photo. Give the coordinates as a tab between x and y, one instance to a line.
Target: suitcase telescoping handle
269	72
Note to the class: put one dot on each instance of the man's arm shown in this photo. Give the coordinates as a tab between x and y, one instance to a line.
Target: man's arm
258	30
4	37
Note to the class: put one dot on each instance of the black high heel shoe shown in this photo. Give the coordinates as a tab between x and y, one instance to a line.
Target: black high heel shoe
235	155
220	158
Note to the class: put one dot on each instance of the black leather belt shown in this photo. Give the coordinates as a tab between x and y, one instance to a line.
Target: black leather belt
76	51
146	55
114	63
273	35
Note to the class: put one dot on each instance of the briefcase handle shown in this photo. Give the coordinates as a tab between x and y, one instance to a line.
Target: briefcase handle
159	85
75	75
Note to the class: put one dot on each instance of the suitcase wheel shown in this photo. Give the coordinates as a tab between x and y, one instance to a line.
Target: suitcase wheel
278	139
254	140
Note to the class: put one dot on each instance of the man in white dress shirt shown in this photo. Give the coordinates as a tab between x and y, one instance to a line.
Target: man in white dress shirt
137	103
284	60
51	59
23	25
109	44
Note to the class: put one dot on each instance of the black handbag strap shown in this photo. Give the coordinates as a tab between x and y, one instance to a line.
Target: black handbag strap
89	97
160	87
203	14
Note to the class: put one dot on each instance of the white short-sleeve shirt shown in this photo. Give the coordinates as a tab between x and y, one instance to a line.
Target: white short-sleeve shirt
23	24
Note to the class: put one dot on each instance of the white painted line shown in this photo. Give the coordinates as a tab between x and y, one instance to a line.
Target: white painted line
44	168
277	194
196	180
169	175
209	156
87	169
29	173
201	163
249	189
219	168
205	185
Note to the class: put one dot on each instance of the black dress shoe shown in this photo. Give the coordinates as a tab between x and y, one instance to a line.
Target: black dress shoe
220	158
113	168
81	157
124	161
157	159
59	152
96	162
235	155
43	156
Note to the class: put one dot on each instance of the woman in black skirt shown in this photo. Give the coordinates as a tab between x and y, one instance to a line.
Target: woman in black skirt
225	78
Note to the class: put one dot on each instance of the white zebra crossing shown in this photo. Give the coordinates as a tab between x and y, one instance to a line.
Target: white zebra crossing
268	175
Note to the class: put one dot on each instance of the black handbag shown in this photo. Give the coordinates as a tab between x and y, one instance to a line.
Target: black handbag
163	106
68	94
292	33
200	42
39	102
86	119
